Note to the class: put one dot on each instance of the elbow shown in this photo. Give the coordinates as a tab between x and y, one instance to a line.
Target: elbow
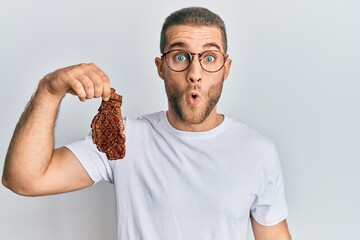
5	181
17	188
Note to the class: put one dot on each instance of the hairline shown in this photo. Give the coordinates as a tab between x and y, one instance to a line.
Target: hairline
222	48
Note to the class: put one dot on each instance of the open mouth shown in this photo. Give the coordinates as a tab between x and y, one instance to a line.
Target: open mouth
193	98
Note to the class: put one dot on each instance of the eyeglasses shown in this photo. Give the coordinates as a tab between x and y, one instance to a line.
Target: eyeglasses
179	60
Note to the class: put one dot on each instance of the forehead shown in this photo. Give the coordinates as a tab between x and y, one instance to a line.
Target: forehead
193	38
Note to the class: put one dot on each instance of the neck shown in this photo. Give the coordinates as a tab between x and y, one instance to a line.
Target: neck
212	121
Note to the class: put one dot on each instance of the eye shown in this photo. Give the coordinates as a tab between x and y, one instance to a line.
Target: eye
209	58
180	57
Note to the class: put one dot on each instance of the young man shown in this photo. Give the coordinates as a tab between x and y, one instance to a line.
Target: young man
188	173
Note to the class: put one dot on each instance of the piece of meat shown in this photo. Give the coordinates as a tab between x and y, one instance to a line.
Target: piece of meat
108	128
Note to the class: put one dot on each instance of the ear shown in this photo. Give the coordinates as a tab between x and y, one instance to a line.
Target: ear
159	66
227	67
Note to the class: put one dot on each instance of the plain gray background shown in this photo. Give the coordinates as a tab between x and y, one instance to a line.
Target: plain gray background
295	78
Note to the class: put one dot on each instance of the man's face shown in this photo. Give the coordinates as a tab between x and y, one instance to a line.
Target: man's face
193	93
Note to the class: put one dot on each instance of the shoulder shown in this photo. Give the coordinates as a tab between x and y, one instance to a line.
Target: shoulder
141	123
248	141
247	133
152	118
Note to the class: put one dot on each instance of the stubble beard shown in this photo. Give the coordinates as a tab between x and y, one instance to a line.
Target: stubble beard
191	114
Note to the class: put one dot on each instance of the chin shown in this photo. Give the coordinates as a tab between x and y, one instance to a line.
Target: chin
193	116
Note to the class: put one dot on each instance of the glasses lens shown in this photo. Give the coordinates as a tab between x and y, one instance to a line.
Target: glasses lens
178	60
212	61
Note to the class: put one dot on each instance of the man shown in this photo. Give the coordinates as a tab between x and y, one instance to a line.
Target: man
188	173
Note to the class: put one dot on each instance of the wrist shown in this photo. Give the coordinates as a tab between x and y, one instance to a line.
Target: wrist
44	96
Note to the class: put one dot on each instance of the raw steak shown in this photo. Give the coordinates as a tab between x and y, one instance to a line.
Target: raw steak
108	128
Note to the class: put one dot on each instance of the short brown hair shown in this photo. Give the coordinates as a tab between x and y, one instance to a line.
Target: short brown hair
197	16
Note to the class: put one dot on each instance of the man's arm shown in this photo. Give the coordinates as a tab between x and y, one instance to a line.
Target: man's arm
32	166
277	232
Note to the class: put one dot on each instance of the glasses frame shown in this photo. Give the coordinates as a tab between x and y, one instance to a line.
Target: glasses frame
191	58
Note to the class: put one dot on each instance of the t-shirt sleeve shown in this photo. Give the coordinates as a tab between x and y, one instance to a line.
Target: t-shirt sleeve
95	162
270	206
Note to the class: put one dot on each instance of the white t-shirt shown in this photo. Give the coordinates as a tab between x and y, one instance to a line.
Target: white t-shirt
189	185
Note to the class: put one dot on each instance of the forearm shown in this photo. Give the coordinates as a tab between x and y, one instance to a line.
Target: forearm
279	231
32	143
277	237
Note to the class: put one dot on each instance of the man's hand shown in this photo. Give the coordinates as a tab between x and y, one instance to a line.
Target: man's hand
84	80
32	166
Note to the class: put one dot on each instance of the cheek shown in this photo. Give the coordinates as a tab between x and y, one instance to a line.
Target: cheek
172	90
215	90
213	82
175	79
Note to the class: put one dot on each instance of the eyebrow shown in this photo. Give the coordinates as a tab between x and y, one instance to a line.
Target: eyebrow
184	45
209	45
177	44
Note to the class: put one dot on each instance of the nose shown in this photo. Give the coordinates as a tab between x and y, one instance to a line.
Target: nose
194	72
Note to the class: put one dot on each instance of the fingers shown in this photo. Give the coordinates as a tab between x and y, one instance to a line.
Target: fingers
84	80
106	89
78	89
103	87
94	81
87	87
